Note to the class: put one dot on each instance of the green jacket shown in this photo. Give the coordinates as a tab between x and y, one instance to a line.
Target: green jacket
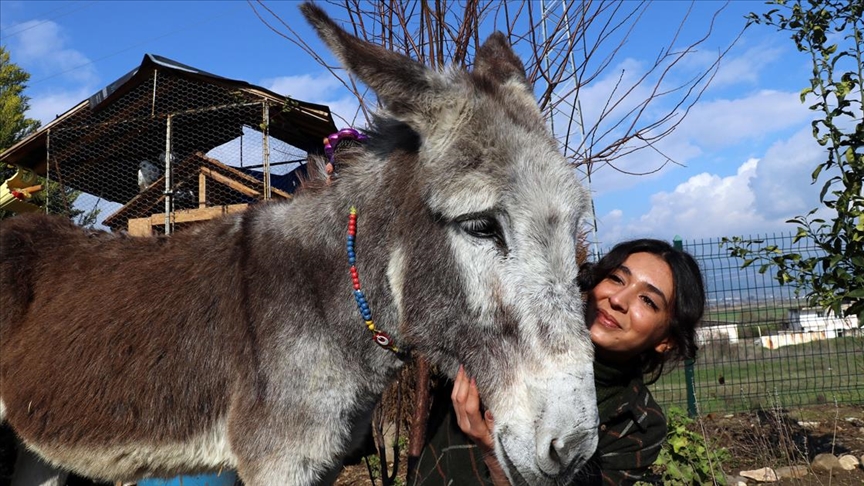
632	430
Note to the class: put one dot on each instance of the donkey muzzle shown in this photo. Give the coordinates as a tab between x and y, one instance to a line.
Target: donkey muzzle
560	455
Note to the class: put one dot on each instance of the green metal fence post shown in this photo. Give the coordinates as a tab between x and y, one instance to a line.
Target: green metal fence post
688	364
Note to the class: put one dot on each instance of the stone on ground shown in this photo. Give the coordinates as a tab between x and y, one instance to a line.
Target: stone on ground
736	480
825	462
848	462
791	472
763	475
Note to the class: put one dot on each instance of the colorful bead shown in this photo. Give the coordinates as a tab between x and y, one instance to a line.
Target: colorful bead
381	338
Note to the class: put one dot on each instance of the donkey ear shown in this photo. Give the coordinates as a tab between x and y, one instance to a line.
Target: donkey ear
402	84
495	59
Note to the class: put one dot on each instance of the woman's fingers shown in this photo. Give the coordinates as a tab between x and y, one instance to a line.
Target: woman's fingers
459	386
490	421
459	395
466	404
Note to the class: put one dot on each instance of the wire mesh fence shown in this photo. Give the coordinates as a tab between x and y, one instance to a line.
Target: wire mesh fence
167	146
207	133
761	345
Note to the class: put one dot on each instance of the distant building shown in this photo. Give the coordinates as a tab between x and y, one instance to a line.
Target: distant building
811	319
713	331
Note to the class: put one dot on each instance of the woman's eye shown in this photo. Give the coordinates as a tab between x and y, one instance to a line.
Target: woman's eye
650	302
615	278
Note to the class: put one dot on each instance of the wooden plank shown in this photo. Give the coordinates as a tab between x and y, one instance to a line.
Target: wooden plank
279	192
233	183
140	227
200	214
202	190
237	186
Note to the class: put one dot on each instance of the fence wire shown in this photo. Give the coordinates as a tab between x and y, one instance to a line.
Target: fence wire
167	153
761	345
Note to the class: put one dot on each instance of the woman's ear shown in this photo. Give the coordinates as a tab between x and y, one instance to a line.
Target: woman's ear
665	345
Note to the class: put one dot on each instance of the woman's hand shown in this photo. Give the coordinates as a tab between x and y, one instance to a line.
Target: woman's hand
466	402
478	427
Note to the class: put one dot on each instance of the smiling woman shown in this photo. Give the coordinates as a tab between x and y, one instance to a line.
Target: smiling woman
630	309
644	299
664	295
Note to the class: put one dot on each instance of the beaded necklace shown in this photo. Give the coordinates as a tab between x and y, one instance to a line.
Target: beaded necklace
381	337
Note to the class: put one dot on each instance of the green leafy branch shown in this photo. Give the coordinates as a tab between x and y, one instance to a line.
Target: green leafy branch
830	31
687	458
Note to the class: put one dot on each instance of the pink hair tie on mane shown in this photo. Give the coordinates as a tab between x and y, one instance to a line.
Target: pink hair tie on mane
344	134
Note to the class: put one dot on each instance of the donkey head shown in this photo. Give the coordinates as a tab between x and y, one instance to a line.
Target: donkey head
482	265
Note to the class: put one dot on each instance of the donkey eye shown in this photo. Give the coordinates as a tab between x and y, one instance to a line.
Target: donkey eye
482	227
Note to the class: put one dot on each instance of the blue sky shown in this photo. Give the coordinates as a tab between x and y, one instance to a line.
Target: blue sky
744	153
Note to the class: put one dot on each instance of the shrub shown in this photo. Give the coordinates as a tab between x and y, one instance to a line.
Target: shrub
686	458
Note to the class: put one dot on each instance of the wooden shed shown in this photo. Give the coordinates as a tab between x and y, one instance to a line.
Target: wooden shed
223	144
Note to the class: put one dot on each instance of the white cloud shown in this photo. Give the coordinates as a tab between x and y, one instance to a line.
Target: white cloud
704	203
746	68
305	87
609	103
782	184
41	47
323	89
723	123
709	128
757	199
45	107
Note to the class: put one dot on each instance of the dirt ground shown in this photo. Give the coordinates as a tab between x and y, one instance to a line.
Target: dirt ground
754	439
779	438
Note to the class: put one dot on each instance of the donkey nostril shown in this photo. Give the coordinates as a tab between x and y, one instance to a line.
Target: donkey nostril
554	456
558	453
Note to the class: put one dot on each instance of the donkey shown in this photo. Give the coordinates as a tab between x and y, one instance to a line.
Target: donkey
239	344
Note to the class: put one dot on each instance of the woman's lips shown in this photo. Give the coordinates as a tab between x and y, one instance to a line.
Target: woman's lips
606	320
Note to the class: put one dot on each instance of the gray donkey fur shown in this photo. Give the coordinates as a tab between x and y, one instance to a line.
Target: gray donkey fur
237	344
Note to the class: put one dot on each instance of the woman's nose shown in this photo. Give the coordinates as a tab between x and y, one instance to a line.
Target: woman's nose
618	300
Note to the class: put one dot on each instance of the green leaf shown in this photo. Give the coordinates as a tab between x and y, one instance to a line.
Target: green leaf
816	173
855	294
802	233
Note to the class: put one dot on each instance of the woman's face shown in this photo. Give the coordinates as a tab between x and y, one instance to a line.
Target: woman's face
629	311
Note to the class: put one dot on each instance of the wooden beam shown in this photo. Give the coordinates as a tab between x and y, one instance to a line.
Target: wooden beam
202	190
200	214
140	227
237	186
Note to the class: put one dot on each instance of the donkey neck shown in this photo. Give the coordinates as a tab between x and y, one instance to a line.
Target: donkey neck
321	216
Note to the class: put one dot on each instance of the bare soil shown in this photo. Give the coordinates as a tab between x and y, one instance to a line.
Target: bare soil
777	438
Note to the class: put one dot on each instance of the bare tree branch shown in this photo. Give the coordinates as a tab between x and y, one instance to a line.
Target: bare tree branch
569	46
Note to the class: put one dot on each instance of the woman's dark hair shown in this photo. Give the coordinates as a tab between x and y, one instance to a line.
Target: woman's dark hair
688	300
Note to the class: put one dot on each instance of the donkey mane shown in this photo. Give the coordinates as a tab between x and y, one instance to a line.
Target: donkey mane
238	343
